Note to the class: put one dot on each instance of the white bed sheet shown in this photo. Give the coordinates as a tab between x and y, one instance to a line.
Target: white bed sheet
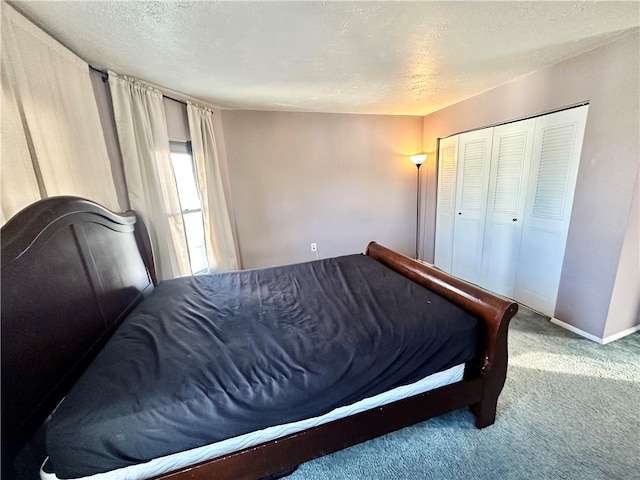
189	457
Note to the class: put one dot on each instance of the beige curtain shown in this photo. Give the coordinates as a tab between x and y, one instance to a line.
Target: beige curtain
221	250
51	137
151	185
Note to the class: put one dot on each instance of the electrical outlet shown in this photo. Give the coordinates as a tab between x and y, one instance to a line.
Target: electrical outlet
314	247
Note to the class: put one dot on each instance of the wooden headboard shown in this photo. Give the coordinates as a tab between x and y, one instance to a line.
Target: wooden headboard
61	301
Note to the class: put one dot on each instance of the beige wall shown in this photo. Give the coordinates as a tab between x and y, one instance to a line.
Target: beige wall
335	179
177	123
608	78
624	311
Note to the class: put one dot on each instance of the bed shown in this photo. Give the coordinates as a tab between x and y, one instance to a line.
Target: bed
73	273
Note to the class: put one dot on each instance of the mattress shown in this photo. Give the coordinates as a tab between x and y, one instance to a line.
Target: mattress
178	460
209	358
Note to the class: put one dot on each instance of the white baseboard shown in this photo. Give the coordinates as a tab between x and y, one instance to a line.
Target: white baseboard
573	329
601	341
621	334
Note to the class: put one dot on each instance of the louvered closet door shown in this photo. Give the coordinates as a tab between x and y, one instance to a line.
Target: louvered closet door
510	161
474	155
556	155
447	164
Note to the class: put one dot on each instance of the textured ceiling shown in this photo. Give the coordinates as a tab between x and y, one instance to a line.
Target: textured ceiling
360	57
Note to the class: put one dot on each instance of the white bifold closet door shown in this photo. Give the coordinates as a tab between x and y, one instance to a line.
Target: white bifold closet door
510	163
446	196
556	154
504	203
474	156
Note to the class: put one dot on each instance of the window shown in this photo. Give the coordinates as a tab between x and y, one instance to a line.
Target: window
190	205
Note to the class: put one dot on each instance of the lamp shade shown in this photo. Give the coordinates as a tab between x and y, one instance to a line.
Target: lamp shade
419	158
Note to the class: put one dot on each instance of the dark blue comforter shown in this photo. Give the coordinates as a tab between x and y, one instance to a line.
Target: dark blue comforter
206	358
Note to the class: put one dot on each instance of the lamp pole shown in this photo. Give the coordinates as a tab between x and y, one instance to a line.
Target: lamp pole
418	211
418	160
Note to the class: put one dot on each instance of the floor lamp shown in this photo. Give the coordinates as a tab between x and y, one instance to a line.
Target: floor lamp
418	160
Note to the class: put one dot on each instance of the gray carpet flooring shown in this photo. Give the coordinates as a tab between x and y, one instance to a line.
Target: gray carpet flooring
570	410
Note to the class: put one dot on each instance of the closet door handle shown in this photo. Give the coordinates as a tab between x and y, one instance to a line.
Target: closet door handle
515	219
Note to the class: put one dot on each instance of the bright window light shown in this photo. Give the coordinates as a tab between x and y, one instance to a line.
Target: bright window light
191	206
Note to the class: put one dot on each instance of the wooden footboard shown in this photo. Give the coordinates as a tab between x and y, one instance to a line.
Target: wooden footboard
72	270
495	312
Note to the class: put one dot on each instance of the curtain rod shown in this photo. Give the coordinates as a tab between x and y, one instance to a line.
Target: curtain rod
105	75
177	97
105	78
